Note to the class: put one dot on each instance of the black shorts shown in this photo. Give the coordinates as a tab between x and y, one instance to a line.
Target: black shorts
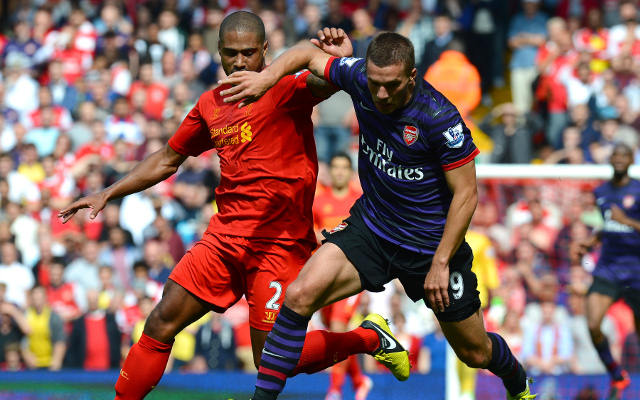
379	261
608	288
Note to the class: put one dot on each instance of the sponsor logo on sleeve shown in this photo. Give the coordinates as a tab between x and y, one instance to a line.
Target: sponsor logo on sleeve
339	227
349	61
454	136
410	135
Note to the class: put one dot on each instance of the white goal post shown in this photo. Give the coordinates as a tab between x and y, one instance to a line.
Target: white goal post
534	171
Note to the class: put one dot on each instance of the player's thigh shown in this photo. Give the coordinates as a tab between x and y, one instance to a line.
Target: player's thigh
329	276
270	267
210	270
177	309
469	339
602	294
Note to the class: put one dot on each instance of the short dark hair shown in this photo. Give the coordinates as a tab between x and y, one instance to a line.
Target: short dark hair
456	45
390	48
140	264
341	154
625	147
59	260
243	21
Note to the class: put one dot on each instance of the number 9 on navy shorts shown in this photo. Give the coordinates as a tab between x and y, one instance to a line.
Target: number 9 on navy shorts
379	261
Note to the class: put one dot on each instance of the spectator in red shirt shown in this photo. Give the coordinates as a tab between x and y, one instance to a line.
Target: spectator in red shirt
155	93
57	187
94	343
86	36
594	39
553	57
61	116
98	146
67	299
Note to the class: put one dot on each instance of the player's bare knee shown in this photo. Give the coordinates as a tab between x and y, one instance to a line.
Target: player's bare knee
159	326
594	329
299	299
475	357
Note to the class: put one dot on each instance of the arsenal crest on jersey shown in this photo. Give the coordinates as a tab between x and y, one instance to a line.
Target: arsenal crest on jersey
410	135
628	201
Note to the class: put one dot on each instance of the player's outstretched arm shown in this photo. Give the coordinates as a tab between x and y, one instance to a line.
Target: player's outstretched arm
153	169
462	183
250	86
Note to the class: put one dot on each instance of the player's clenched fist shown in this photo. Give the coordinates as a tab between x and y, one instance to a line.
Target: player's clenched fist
96	202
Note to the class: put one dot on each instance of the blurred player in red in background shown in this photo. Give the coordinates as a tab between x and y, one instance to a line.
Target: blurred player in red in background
262	235
330	208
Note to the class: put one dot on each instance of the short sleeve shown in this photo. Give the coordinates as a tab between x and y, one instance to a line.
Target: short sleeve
192	137
292	93
451	140
342	72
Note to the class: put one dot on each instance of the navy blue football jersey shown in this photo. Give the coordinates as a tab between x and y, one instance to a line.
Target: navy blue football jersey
619	260
402	158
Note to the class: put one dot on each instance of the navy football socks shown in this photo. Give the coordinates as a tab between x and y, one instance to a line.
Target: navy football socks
505	366
281	353
604	351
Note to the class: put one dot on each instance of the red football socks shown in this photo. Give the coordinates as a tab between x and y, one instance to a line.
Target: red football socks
340	371
323	349
142	369
354	371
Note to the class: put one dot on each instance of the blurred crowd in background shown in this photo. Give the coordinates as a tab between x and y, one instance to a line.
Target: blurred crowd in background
89	88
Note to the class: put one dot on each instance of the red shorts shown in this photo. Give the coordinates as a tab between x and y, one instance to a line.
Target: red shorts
220	269
341	311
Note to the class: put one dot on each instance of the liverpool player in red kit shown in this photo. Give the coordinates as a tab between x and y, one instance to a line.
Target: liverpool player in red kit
330	208
263	234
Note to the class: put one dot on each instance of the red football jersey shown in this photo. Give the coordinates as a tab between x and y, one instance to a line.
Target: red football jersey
329	211
267	157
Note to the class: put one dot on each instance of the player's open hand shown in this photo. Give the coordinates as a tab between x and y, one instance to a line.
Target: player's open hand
248	86
334	42
618	215
96	202
436	286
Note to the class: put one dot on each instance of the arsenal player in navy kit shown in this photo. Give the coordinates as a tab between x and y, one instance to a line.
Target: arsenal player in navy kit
617	273
416	165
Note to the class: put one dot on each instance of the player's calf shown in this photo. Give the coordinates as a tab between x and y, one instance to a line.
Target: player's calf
476	356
